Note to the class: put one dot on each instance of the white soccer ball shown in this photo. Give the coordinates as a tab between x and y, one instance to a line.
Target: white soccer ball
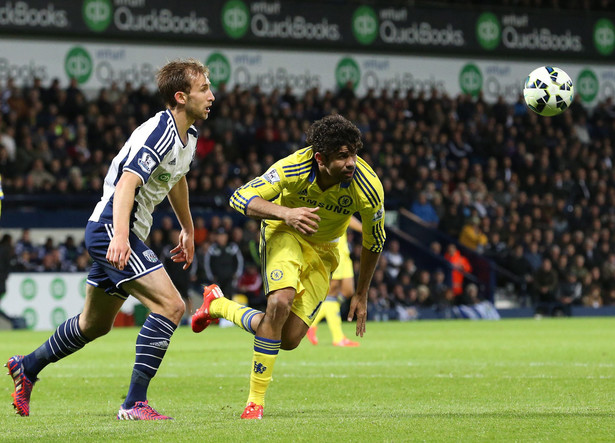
548	91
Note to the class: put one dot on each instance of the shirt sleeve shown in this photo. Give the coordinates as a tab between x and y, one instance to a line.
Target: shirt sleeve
268	186
374	234
372	217
143	163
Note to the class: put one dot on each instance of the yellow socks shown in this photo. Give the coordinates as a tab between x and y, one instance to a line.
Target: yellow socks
331	311
265	352
239	314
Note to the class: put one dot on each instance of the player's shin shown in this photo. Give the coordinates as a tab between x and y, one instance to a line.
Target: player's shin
334	321
67	339
243	316
265	353
152	344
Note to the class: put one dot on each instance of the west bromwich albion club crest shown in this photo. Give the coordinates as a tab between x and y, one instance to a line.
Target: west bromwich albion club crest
150	256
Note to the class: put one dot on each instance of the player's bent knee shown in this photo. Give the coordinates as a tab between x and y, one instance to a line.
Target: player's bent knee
95	330
289	345
278	306
175	310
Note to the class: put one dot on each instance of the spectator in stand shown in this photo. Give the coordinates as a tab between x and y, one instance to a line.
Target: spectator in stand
200	231
452	221
424	210
533	256
593	298
250	284
460	266
394	258
404	303
69	251
472	235
24	243
569	291
223	262
249	241
378	305
544	292
578	267
439	290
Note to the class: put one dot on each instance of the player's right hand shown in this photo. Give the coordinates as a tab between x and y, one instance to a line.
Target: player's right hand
304	220
119	252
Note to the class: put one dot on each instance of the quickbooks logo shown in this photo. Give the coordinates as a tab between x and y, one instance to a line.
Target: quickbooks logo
488	31
365	25
28	289
78	64
347	70
470	79
31	317
97	14
604	36
587	85
58	316
165	177
57	288
235	18
219	69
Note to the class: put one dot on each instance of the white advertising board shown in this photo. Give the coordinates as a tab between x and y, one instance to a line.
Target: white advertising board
44	300
97	65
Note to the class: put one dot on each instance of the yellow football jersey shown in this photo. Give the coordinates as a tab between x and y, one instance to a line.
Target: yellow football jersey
291	182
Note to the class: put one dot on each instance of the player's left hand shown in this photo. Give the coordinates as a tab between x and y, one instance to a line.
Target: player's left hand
184	251
358	306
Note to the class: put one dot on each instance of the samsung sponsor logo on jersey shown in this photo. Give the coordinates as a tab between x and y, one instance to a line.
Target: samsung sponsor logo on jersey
333	208
272	176
146	163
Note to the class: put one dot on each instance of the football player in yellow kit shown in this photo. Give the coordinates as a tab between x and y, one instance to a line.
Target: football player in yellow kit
305	202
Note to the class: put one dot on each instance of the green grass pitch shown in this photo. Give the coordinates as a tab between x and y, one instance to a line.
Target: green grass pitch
510	380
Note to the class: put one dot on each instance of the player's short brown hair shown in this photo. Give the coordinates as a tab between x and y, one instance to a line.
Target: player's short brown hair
177	75
330	133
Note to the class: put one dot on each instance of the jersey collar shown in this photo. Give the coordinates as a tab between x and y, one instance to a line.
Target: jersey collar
312	176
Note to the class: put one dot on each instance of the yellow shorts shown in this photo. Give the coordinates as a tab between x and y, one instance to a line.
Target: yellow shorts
345	268
288	260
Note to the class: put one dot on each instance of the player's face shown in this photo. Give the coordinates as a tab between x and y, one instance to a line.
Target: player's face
200	98
341	165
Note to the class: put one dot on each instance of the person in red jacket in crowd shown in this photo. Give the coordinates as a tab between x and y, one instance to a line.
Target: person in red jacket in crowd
460	265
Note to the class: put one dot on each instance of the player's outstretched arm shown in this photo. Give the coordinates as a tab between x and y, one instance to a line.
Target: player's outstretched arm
178	197
304	220
358	302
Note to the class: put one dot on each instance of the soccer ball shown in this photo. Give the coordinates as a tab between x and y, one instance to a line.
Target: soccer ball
548	91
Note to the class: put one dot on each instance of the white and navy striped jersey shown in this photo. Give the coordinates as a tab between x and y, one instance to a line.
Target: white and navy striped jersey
156	153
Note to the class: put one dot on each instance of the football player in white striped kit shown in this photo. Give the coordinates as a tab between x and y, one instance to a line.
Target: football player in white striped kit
151	166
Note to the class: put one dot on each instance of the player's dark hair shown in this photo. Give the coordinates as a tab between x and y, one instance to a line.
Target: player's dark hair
330	133
177	75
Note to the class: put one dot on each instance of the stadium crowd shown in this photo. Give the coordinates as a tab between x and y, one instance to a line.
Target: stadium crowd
535	195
